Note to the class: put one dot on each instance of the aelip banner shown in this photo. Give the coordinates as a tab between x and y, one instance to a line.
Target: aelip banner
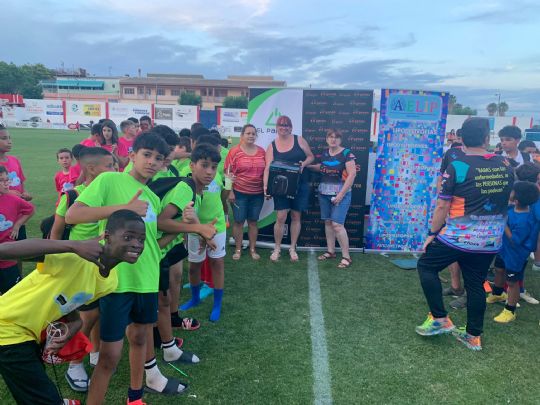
409	153
313	112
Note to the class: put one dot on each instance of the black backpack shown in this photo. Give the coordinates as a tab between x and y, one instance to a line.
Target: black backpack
163	185
47	223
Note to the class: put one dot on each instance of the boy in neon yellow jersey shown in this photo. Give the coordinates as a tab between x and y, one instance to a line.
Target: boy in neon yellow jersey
134	303
72	273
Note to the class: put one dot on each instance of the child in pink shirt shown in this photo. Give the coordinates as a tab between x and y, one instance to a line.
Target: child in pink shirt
125	142
13	166
65	179
14	212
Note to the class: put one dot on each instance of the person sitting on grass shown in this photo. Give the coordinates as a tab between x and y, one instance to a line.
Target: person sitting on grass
15	212
516	248
71	274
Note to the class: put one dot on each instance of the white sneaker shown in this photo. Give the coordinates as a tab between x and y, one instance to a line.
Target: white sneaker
535	267
525	296
77	378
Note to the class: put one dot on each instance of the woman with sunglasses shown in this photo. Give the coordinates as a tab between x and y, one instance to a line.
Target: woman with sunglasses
292	149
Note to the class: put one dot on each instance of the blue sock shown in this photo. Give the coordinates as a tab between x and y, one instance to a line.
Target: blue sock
195	298
134	395
216	309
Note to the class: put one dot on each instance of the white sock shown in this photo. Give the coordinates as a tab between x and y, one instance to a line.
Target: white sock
154	378
94	357
171	351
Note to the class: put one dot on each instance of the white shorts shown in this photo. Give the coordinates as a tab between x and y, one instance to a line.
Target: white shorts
194	244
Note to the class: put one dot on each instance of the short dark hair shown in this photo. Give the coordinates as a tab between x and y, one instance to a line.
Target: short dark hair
211	139
96	129
185	142
185	132
134	120
3	169
110	124
126	123
474	131
205	151
526	144
76	150
525	193
167	133
510	131
118	219
93	152
145	118
224	142
528	171
151	141
64	150
196	125
215	133
197	132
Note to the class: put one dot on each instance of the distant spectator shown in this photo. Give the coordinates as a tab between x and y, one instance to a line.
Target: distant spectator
510	136
145	123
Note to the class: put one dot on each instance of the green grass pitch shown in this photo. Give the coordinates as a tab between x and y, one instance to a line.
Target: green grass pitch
260	350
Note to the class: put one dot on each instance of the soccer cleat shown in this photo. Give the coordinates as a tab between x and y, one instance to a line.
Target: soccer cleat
71	402
505	316
492	298
432	326
525	296
472	342
137	402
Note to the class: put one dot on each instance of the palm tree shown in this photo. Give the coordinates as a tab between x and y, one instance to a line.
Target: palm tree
491	109
503	108
451	103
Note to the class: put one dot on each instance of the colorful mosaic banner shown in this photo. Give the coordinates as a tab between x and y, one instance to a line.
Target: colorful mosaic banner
409	152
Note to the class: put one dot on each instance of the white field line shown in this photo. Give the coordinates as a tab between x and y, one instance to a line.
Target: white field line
322	388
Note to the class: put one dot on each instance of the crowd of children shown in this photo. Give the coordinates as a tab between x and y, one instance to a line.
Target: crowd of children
156	175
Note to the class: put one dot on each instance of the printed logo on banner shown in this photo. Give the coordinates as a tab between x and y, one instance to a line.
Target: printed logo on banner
414	107
272	118
92	110
75	108
164	113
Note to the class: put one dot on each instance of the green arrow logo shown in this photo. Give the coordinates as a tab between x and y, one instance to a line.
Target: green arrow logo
271	120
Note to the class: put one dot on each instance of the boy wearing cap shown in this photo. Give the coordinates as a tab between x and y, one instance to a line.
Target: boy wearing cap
467	228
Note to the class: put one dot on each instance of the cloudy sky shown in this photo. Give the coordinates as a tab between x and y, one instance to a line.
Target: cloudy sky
475	49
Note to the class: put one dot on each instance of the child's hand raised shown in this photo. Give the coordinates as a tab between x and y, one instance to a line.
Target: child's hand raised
138	206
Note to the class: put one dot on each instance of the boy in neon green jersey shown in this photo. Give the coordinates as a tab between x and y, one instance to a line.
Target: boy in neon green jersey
134	302
93	161
211	208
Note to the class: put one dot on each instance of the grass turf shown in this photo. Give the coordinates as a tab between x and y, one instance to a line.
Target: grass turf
260	351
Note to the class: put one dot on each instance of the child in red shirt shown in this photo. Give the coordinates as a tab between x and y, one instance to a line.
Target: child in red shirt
96	139
65	179
13	166
14	212
125	142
